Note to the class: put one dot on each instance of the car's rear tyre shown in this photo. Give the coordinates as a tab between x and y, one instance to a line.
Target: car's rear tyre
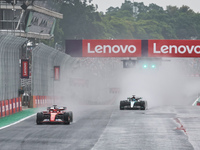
144	105
71	116
66	118
121	107
39	118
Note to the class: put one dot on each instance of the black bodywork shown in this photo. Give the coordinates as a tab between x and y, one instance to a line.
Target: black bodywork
131	103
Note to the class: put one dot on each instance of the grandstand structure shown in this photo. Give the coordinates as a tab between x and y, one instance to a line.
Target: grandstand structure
29	18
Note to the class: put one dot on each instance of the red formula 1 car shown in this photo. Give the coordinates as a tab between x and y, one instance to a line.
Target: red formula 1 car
54	114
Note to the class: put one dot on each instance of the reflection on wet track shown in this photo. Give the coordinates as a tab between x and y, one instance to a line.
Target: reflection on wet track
108	128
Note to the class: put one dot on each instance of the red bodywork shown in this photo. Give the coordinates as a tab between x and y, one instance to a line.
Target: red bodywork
53	114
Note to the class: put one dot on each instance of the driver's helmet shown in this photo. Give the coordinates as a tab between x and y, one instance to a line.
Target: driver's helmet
55	106
129	98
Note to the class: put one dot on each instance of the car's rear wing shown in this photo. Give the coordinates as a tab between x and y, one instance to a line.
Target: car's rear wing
62	108
138	98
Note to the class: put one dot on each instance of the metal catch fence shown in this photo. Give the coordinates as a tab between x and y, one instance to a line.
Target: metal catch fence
44	58
9	66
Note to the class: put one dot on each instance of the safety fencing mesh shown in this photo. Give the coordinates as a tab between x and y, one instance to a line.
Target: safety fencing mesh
44	58
9	66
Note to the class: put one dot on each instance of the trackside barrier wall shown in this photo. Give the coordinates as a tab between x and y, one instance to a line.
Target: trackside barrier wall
41	101
9	72
43	86
3	108
14	105
9	107
6	106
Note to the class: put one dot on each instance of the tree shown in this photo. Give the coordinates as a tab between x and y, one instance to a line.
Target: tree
130	21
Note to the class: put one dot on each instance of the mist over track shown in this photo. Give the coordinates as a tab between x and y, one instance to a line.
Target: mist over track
106	127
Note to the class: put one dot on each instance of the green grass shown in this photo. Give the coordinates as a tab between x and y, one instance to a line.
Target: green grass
4	121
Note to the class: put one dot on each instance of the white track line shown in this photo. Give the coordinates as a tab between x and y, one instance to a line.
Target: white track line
17	122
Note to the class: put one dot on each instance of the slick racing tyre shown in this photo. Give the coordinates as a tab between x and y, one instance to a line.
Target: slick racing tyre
66	118
39	118
71	116
121	107
144	106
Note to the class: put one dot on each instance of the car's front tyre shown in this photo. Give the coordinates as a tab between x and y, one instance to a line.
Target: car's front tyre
39	118
144	105
66	118
71	116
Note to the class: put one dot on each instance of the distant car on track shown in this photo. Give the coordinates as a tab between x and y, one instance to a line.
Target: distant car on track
54	114
133	103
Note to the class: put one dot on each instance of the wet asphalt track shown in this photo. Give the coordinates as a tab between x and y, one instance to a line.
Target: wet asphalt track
108	128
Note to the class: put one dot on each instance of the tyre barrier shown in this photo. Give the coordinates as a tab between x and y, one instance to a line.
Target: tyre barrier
11	106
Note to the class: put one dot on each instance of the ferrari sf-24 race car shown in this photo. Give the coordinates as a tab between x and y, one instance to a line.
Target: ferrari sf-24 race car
55	114
133	103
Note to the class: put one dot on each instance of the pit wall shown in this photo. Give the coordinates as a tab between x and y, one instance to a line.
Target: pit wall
41	101
11	106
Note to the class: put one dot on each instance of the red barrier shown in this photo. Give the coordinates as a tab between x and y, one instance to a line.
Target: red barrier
3	108
6	108
10	106
43	101
37	101
47	100
17	105
14	105
40	101
20	104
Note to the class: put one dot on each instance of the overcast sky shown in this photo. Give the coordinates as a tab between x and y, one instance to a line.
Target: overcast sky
105	4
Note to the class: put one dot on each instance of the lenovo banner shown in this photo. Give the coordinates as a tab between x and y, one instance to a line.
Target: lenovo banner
133	48
173	48
111	48
103	48
24	68
56	73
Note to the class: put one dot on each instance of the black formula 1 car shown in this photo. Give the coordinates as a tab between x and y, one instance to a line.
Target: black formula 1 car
133	103
54	114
